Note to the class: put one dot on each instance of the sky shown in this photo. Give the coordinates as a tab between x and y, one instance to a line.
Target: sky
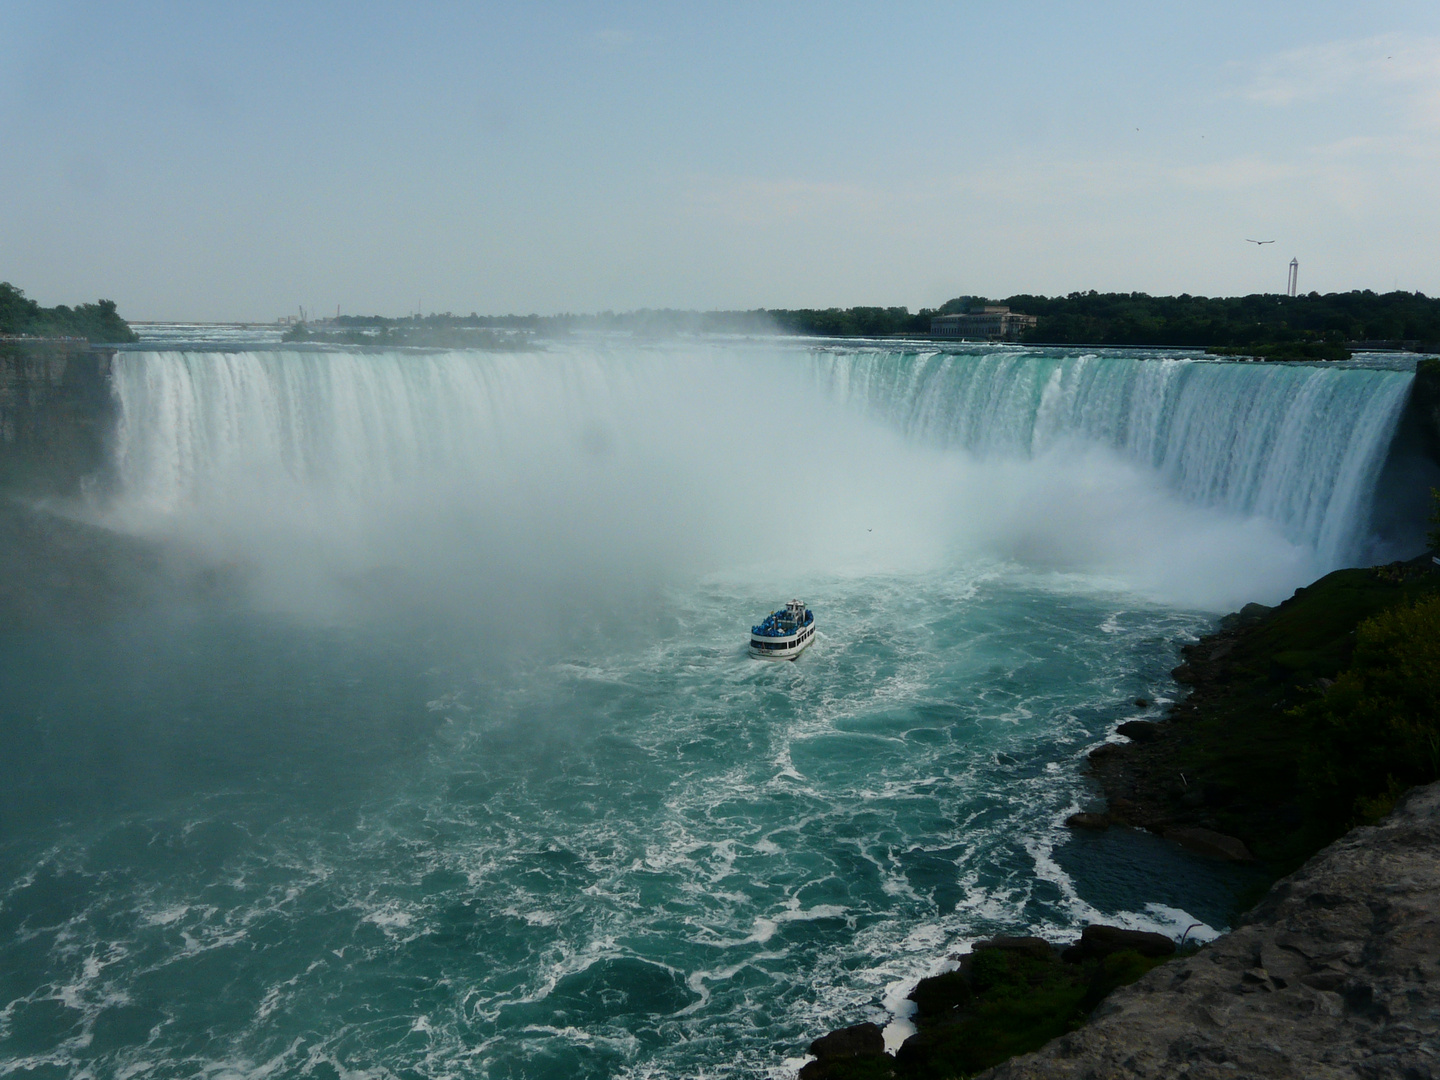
212	161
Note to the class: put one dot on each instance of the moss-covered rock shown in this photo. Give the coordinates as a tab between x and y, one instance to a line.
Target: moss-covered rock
1009	997
1246	754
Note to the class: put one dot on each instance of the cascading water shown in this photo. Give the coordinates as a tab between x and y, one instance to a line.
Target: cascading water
1299	445
472	776
654	457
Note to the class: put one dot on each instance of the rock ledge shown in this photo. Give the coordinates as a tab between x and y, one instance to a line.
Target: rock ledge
1336	973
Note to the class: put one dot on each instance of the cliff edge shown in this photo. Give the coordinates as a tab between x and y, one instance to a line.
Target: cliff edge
1336	973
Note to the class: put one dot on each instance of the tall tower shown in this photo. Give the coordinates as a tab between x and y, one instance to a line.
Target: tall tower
1294	277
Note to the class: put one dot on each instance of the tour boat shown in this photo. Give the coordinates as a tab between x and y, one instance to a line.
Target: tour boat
784	634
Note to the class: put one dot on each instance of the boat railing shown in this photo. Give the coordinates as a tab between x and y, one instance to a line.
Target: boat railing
779	624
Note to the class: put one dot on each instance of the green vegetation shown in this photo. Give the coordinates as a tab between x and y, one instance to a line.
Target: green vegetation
1312	327
1259	320
1376	731
1262	324
853	322
1312	719
1011	1003
99	321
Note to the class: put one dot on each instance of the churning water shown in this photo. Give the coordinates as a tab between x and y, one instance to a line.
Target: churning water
461	770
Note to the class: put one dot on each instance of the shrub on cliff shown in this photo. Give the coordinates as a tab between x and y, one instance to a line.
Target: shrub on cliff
1376	731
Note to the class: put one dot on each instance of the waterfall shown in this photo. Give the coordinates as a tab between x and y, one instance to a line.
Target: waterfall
1195	482
1298	445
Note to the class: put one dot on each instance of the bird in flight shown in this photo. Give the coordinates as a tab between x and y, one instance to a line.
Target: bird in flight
1249	241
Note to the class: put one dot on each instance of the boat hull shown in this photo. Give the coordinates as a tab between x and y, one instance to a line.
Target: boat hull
788	647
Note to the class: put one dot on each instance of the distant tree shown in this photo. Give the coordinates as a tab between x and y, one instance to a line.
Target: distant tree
97	322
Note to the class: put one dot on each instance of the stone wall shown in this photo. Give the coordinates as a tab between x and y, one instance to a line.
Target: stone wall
57	415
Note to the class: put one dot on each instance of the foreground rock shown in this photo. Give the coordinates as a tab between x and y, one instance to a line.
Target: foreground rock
1335	974
849	1052
1100	941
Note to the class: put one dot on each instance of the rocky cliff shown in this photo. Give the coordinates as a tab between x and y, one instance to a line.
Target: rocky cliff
1336	973
1425	402
56	415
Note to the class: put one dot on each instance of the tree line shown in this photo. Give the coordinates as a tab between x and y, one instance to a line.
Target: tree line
1140	319
1257	321
1096	318
95	322
1263	322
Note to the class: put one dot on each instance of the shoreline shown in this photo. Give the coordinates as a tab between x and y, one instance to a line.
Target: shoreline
1335	973
1219	775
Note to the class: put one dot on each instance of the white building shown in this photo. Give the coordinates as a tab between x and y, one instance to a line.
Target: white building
989	323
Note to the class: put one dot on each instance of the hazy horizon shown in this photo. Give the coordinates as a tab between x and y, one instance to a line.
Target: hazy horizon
232	165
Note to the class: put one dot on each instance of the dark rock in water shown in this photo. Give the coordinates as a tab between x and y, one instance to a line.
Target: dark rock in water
849	1042
1085	820
1035	947
1142	703
940	996
852	1053
1215	845
1101	941
1009	994
1124	811
1184	674
1104	750
1137	730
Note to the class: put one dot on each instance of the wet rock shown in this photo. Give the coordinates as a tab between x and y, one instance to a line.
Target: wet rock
1138	730
1087	820
1099	941
1142	703
850	1053
849	1042
1126	811
940	996
1210	843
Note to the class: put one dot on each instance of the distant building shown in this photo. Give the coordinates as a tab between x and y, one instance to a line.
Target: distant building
989	323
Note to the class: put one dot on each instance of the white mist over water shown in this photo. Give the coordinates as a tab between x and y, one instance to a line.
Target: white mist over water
601	471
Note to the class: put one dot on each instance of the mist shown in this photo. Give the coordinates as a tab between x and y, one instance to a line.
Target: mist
513	491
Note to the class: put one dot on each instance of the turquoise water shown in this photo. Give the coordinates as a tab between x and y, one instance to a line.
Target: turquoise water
448	791
244	845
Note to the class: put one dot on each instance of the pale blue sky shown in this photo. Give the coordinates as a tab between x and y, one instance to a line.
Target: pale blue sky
215	161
